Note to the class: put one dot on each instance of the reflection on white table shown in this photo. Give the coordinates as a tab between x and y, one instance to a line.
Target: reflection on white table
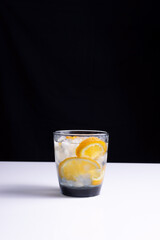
32	207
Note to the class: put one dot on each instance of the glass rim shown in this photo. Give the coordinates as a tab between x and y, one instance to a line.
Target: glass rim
80	132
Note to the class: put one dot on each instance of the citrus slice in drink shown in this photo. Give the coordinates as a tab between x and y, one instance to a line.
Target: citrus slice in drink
74	167
92	148
71	138
97	176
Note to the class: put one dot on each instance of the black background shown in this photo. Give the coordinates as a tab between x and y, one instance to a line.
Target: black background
79	65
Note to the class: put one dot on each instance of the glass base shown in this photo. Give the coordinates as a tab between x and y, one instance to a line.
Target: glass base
81	191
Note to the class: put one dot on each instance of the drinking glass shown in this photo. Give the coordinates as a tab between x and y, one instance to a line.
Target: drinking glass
80	157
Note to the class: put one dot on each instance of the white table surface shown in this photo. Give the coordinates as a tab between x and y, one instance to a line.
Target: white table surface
32	207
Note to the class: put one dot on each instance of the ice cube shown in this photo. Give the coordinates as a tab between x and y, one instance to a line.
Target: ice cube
102	159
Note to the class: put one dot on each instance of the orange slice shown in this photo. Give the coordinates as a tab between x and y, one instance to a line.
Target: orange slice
97	176
92	148
72	168
69	137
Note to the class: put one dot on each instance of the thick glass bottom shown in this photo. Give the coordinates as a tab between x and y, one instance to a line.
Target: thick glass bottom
81	191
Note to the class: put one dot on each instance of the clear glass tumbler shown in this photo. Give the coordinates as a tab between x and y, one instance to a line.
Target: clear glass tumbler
81	157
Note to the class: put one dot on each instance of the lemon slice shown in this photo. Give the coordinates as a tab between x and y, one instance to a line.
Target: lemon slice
70	137
97	176
92	148
72	168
